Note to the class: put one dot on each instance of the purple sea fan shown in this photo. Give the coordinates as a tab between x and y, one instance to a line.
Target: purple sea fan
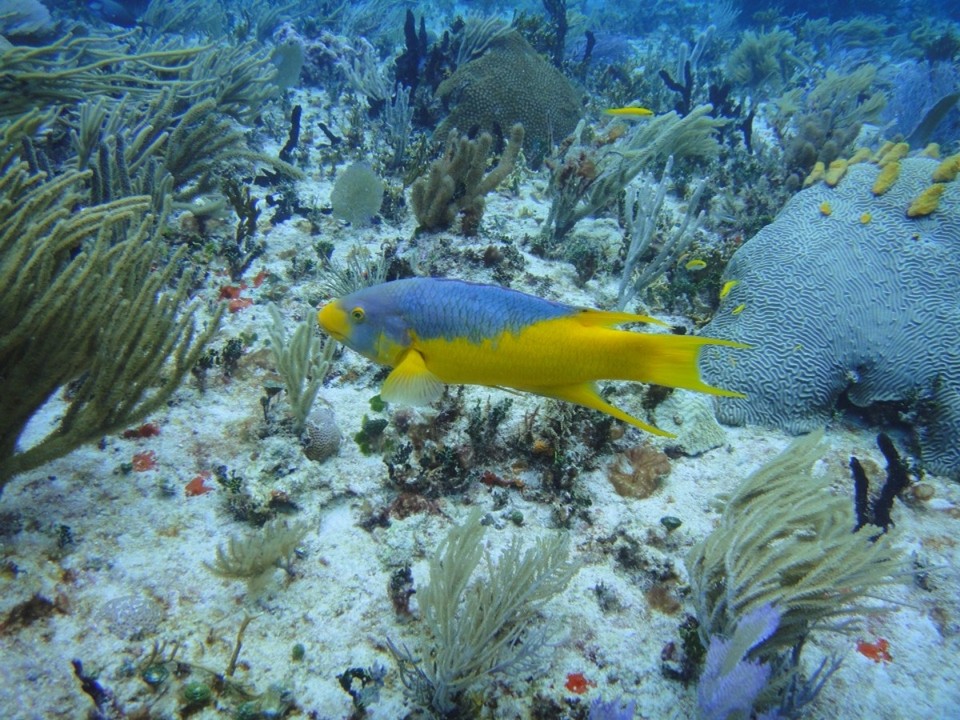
611	710
730	684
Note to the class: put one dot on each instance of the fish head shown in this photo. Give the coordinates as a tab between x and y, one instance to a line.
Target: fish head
369	322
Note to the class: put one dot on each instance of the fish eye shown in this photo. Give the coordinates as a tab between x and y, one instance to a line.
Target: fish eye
357	314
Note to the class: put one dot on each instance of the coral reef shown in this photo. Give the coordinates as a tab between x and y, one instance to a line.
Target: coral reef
511	84
861	303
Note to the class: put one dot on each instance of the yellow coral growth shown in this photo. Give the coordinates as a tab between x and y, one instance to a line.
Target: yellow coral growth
835	173
884	149
887	177
861	155
895	154
815	174
927	201
947	170
932	150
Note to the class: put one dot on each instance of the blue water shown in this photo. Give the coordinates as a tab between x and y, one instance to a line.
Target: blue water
212	133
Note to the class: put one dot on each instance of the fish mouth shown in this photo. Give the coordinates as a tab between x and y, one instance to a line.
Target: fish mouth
333	319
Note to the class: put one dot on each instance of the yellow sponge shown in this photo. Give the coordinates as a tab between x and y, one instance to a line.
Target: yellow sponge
927	201
894	154
887	177
947	170
835	173
815	174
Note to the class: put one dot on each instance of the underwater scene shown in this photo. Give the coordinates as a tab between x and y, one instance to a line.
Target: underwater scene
547	360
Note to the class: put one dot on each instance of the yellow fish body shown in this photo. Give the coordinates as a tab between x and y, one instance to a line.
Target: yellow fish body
436	332
629	111
727	287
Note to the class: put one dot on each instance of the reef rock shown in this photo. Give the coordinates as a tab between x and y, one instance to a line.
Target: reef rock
689	416
844	294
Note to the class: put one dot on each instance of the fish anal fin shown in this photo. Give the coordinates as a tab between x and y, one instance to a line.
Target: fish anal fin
411	382
586	395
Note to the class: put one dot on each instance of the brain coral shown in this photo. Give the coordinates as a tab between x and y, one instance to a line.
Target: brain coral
845	294
510	84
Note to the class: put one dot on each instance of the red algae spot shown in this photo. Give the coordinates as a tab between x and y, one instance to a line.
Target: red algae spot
259	278
877	651
144	461
196	486
238	304
578	684
144	431
231	292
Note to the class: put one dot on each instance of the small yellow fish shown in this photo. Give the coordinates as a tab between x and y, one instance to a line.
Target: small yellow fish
825	209
629	111
738	309
727	287
696	264
434	332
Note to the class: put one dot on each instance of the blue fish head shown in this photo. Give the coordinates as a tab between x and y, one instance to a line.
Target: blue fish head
369	322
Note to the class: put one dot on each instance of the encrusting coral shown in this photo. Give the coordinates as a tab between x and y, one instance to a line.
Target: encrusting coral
861	303
456	183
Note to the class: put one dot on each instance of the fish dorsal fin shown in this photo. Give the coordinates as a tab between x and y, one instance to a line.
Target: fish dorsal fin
411	383
605	318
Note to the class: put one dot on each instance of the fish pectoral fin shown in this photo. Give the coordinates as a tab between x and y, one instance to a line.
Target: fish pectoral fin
588	396
411	382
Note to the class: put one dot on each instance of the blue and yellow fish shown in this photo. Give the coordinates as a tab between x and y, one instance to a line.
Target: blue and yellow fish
436	332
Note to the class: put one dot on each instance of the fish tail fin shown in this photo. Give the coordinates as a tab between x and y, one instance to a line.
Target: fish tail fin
673	361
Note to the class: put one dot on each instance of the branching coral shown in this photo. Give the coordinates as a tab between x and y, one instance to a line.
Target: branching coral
456	183
74	68
764	59
481	627
590	177
783	562
303	363
57	302
253	558
785	540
